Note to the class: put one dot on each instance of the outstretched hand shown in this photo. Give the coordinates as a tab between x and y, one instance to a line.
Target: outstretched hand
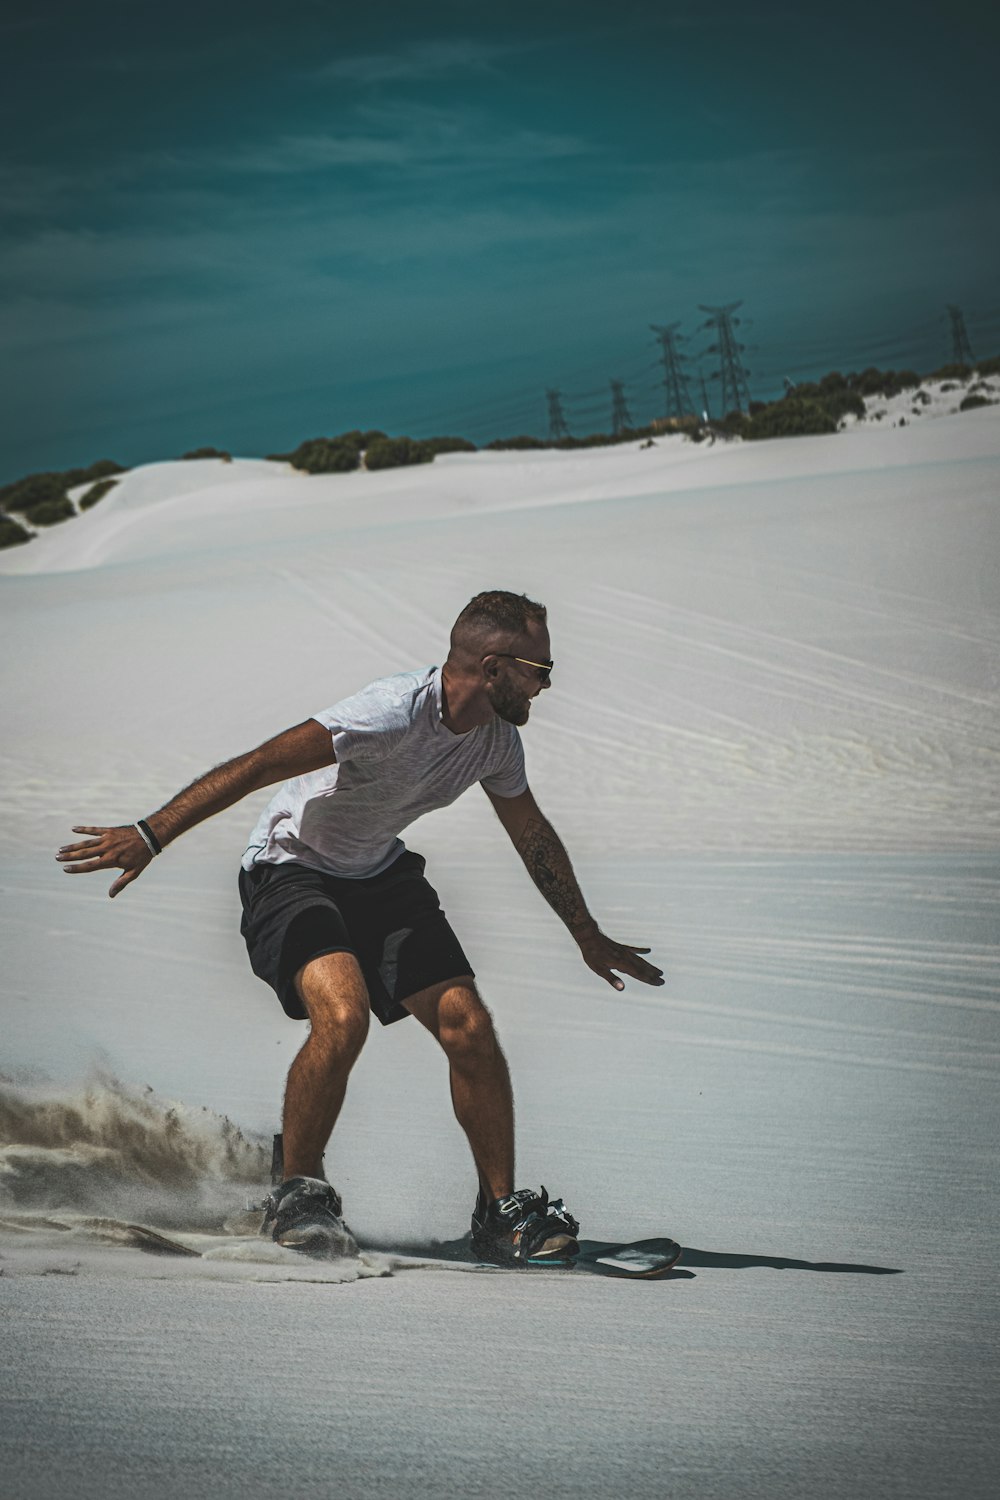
109	849
604	955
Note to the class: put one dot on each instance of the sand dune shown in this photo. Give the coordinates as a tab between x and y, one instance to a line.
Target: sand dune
772	748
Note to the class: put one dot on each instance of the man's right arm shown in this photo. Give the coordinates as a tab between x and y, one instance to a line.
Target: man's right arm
305	748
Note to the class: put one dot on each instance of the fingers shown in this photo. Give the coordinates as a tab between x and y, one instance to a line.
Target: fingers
122	882
78	851
110	847
626	958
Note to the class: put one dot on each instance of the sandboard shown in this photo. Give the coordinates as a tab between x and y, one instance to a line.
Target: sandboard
639	1260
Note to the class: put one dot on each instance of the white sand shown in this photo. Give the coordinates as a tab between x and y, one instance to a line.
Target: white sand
773	749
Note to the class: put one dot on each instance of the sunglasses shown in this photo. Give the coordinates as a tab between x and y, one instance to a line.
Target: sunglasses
544	668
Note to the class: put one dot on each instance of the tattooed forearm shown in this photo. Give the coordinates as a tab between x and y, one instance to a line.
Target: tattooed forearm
548	865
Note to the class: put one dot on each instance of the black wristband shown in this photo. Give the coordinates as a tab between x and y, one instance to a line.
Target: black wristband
149	836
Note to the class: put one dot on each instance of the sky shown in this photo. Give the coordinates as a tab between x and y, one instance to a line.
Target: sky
247	225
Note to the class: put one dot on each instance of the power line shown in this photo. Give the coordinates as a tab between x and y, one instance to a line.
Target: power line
735	391
557	422
674	379
621	419
961	349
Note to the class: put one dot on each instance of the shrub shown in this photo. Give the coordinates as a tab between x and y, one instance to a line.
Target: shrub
103	468
227	458
448	445
874	382
325	456
791	417
838	401
520	444
989	366
95	493
733	424
970	403
12	533
952	372
394	453
49	512
32	490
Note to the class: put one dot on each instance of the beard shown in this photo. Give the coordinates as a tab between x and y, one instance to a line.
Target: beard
509	702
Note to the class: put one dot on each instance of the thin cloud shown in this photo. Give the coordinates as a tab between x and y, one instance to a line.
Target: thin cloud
424	60
395	136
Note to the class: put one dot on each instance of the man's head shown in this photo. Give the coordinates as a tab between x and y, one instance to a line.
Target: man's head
501	641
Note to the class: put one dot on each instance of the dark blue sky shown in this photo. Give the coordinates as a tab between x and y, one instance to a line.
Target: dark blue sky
248	224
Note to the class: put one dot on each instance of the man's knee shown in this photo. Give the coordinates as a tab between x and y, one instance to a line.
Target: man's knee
335	996
465	1026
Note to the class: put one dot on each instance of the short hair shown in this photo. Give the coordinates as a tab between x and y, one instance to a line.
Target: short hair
495	612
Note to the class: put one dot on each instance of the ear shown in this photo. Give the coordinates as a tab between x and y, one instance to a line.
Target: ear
491	665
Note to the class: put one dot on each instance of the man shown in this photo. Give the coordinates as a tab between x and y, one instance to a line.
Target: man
340	920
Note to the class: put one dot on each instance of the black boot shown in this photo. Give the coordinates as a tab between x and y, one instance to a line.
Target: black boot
524	1228
304	1214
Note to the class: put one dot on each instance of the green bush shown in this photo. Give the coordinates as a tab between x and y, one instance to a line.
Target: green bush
95	493
12	533
972	402
32	490
448	445
103	468
734	424
791	417
394	453
989	366
952	372
839	401
325	456
49	512
227	458
522	444
874	382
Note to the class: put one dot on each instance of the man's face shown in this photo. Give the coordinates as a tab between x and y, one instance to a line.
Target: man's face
516	683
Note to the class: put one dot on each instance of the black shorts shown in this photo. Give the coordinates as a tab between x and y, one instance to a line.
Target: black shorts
392	923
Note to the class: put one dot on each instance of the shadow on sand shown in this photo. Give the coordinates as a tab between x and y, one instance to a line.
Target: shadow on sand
731	1262
458	1250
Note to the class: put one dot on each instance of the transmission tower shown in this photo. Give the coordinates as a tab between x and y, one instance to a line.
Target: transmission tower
735	392
621	419
557	422
961	349
674	380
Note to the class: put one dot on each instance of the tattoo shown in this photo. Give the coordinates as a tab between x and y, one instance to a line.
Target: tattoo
549	867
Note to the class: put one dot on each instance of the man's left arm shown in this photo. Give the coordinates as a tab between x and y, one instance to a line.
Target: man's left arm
548	864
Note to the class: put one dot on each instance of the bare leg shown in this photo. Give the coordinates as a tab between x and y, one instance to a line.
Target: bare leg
480	1081
333	992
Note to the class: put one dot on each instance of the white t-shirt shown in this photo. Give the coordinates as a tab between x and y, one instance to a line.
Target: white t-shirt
395	761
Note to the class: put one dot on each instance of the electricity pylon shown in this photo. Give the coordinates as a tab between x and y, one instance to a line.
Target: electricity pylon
674	380
557	422
961	349
621	419
735	392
